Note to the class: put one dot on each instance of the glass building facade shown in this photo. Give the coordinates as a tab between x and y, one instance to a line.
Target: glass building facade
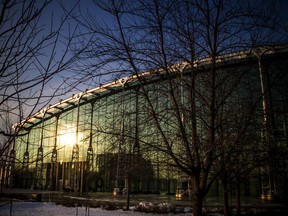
96	139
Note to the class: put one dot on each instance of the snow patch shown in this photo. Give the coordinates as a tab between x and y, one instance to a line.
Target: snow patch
48	209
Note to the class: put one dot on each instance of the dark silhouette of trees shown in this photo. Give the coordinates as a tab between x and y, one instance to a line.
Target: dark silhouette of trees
197	123
34	52
203	114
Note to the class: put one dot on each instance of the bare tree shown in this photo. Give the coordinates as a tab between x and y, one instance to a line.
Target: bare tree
34	51
192	122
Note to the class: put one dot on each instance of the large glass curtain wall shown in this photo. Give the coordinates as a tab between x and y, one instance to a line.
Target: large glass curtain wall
99	142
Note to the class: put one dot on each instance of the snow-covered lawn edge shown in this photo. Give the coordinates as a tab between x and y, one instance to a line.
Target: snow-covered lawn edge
49	208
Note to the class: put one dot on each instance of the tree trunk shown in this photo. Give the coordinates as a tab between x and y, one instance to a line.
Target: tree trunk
225	197
2	182
238	205
127	193
226	203
197	202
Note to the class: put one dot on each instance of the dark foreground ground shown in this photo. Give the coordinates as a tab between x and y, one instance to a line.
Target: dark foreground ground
146	203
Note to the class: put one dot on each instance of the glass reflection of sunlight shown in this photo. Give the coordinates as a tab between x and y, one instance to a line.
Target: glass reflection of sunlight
68	137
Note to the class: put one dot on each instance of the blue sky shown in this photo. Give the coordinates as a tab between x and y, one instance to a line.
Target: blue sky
87	6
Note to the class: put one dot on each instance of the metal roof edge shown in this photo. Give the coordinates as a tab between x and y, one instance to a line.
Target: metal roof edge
254	52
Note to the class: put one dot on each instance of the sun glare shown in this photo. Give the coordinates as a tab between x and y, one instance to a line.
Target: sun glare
68	137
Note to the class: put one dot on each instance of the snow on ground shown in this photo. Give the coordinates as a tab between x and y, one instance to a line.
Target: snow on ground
48	209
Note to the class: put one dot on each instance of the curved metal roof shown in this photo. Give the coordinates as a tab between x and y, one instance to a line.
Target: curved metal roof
116	86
